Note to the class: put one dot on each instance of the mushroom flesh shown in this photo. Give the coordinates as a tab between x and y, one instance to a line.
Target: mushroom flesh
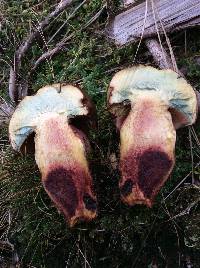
60	146
148	106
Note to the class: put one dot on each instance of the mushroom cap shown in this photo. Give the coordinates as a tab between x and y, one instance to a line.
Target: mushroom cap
53	99
132	83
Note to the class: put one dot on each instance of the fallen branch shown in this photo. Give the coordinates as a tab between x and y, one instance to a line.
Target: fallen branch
160	56
174	15
14	92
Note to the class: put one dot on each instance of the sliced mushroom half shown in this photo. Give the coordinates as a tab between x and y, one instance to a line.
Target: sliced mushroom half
60	146
148	106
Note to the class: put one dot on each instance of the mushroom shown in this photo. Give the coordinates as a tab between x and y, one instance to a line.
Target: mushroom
148	106
57	115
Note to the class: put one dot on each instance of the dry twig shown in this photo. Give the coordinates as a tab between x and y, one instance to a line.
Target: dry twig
50	53
60	46
14	90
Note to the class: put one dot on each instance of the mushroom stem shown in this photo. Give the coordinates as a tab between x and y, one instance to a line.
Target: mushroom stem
147	150
60	152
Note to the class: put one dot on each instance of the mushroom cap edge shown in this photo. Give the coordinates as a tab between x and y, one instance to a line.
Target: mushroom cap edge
174	91
70	101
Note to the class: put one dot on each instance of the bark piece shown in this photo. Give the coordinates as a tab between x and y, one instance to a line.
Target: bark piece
127	27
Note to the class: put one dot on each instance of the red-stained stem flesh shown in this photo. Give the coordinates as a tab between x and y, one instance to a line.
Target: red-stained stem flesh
147	150
61	157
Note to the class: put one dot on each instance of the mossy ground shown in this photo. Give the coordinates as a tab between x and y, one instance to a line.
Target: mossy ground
169	233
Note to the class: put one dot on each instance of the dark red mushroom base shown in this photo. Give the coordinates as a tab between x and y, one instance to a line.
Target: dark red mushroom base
147	150
60	154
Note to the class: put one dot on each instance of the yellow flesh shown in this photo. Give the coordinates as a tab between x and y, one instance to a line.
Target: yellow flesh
57	146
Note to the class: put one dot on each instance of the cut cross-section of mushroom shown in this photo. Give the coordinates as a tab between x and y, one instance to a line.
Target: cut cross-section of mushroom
60	146
148	106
